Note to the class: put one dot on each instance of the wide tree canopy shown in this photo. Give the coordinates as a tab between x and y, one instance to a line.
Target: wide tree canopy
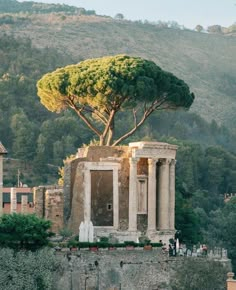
97	89
24	231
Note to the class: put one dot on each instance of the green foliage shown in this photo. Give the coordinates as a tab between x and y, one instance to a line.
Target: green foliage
200	274
21	114
104	86
21	65
83	245
119	16
186	221
156	245
19	231
65	232
204	170
27	270
129	243
219	228
72	243
104	239
23	132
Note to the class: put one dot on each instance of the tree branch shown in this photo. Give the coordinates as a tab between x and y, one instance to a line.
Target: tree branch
129	133
93	110
147	112
83	117
108	125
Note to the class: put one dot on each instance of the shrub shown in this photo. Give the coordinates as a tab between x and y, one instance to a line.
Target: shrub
27	270
72	243
158	245
24	231
65	232
104	239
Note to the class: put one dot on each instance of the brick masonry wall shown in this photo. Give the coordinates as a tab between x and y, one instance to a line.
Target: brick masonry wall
231	285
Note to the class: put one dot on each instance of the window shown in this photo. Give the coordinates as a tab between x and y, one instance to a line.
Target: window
142	194
109	206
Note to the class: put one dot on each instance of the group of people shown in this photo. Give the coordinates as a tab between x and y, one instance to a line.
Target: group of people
174	249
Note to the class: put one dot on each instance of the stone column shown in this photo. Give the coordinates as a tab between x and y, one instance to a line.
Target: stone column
163	200
172	195
151	194
24	204
133	194
13	200
87	197
39	201
1	184
115	198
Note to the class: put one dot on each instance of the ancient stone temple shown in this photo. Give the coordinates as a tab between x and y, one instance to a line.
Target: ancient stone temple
126	191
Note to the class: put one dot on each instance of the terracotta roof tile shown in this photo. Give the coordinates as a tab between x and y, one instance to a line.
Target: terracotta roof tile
2	149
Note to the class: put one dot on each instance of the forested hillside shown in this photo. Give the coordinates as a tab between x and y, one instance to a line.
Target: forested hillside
206	61
33	43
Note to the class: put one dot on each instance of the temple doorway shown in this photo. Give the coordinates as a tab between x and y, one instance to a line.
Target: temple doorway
102	197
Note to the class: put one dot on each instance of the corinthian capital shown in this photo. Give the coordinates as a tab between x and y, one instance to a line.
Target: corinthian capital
173	162
133	160
165	161
152	161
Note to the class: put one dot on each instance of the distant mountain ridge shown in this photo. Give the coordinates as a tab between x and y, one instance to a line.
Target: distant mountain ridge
13	6
207	62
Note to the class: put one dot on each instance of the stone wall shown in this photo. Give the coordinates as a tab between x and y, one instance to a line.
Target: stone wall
54	208
118	269
69	179
49	204
77	200
74	184
39	201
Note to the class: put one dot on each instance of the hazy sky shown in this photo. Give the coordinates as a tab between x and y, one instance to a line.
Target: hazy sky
186	12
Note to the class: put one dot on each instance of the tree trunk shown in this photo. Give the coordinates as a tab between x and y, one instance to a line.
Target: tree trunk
110	137
102	141
111	132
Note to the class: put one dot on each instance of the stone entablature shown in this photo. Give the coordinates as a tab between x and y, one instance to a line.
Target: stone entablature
153	150
142	179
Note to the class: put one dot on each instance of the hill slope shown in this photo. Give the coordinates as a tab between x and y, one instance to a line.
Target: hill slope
207	62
